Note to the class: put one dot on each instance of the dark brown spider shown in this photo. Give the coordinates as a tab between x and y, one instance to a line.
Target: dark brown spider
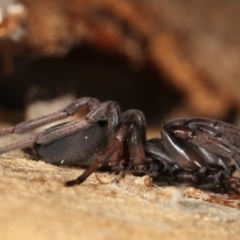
198	152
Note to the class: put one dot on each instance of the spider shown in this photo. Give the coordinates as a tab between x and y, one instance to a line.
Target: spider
198	152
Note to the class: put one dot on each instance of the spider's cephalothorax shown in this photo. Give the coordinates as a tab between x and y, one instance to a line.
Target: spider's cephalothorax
198	152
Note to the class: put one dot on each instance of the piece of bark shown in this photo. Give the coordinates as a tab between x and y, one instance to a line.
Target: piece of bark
194	44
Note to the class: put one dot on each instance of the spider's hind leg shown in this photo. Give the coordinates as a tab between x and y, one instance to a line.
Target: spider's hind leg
70	110
29	125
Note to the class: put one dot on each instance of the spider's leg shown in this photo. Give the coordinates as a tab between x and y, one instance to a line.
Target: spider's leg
19	145
132	130
136	135
107	154
103	158
70	110
137	162
107	111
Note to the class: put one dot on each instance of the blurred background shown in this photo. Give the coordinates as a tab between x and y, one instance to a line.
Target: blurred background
167	58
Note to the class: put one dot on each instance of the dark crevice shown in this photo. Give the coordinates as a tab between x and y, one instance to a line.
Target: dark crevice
86	72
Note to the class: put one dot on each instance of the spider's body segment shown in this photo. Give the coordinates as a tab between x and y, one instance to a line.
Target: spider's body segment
198	152
66	150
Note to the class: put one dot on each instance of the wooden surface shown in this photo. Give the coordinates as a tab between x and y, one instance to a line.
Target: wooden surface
35	205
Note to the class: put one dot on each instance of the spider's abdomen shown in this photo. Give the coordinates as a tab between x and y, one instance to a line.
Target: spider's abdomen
80	148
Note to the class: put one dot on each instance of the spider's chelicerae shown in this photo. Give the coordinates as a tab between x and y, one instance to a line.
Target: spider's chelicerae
199	152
